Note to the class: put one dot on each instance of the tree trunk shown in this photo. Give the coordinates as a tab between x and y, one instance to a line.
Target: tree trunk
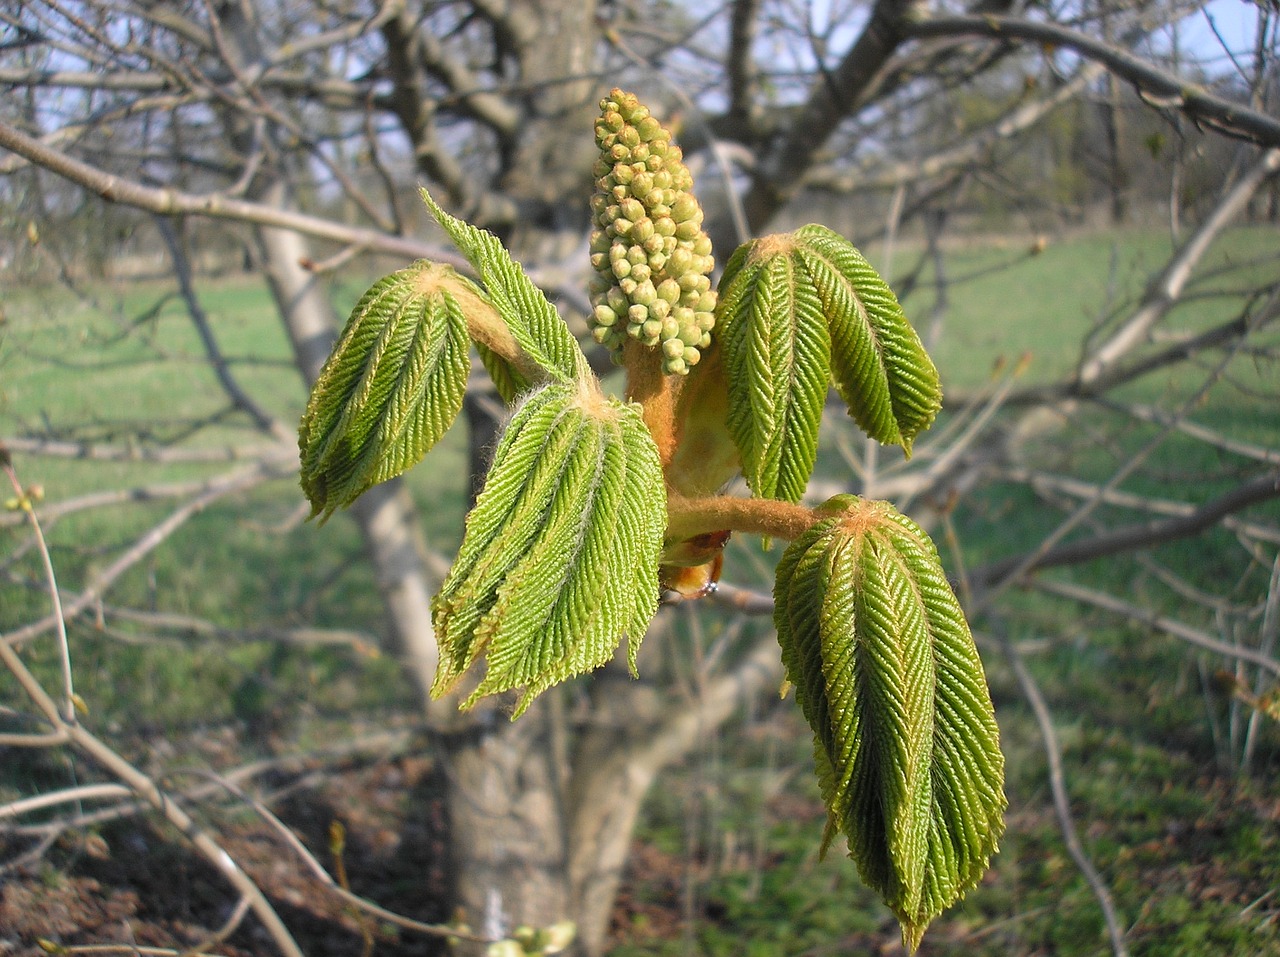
506	833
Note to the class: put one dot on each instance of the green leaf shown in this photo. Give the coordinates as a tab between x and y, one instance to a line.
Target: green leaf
534	323
880	367
778	356
506	378
560	557
389	390
887	675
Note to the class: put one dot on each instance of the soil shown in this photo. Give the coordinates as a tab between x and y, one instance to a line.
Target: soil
138	884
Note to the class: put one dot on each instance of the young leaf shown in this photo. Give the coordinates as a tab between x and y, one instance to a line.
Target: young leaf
560	556
887	675
389	390
778	355
506	378
880	367
531	319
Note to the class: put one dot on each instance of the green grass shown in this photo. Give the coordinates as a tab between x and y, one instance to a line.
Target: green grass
730	839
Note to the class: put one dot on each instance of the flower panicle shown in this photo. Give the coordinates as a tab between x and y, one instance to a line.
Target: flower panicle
652	258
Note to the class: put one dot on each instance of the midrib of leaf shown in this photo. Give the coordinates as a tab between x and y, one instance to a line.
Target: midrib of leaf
902	365
894	633
905	745
350	381
641	521
577	613
529	590
389	391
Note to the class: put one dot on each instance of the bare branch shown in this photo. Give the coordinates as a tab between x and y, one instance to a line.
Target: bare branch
1165	290
1153	619
1061	799
833	97
105	452
231	483
881	175
171	202
1260	489
239	398
741	67
1160	88
1081	489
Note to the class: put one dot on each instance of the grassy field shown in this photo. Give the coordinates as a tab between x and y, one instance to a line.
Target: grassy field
726	861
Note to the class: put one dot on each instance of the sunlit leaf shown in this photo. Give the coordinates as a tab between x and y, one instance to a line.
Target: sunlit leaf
560	557
536	326
880	366
887	675
778	356
390	389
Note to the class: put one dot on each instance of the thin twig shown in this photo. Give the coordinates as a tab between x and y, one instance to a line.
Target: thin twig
64	646
1153	619
1061	800
318	869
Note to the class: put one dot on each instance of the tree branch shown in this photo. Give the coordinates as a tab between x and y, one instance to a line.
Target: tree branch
833	97
172	202
1146	616
1145	535
1163	293
1159	87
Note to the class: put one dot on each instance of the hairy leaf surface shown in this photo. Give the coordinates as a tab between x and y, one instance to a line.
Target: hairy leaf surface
390	389
887	675
560	557
880	367
538	329
778	355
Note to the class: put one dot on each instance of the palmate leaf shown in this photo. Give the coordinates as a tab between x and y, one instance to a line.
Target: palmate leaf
389	390
777	353
560	556
887	675
880	367
534	323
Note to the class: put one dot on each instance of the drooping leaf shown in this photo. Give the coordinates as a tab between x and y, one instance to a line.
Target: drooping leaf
880	366
534	323
560	557
778	356
887	675
390	389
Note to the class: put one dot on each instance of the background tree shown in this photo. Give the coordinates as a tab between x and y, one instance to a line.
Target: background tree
287	139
